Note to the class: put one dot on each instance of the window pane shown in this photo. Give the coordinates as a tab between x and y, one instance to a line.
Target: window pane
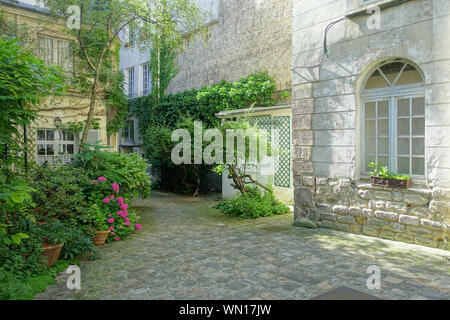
403	127
383	146
41	135
383	109
370	128
418	146
418	126
403	146
370	110
70	137
368	160
418	166
376	81
383	127
403	107
384	161
403	165
50	151
370	145
41	150
418	105
392	70
60	148
50	135
62	135
70	149
409	75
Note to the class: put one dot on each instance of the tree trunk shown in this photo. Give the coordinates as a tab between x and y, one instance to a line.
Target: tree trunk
91	110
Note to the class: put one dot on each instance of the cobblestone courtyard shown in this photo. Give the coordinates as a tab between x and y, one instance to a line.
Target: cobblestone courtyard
188	250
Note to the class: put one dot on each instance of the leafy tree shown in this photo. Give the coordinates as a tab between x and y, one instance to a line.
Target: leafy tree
98	40
24	81
248	147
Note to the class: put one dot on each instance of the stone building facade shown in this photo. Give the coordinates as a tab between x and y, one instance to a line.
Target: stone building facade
51	143
248	36
382	94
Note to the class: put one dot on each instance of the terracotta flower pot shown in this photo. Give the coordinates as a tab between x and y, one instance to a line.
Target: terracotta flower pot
100	238
52	252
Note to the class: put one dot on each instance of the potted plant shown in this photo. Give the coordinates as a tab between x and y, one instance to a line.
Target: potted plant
100	224
55	235
380	176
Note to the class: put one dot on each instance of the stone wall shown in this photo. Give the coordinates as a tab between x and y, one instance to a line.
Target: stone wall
416	215
330	186
249	36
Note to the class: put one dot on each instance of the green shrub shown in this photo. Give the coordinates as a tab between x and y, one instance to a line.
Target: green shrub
60	193
126	169
253	204
13	287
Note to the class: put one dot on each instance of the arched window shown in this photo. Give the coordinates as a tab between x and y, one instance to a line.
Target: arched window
393	118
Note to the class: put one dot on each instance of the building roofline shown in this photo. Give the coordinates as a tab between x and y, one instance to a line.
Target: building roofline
26	6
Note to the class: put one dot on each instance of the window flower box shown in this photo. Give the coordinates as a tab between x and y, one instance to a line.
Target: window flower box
391	183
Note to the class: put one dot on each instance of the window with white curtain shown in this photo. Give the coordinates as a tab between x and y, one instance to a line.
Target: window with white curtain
56	52
393	119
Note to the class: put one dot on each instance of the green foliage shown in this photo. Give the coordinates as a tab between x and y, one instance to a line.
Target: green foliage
253	204
60	193
256	90
98	218
24	81
126	169
77	244
97	43
54	232
383	172
13	287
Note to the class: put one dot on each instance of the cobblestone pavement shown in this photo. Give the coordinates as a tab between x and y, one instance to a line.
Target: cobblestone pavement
188	250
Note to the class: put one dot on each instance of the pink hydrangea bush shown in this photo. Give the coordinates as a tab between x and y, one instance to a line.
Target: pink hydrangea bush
120	219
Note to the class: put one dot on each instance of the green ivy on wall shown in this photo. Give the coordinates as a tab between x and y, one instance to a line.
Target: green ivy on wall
255	90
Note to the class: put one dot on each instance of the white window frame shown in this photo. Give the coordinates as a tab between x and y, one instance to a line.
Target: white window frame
145	78
65	158
391	94
56	53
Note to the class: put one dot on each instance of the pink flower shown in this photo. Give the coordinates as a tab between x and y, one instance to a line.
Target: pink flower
120	200
101	179
138	227
111	197
127	223
94	181
110	220
106	200
113	233
119	213
127	219
117	238
115	187
111	228
124	206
